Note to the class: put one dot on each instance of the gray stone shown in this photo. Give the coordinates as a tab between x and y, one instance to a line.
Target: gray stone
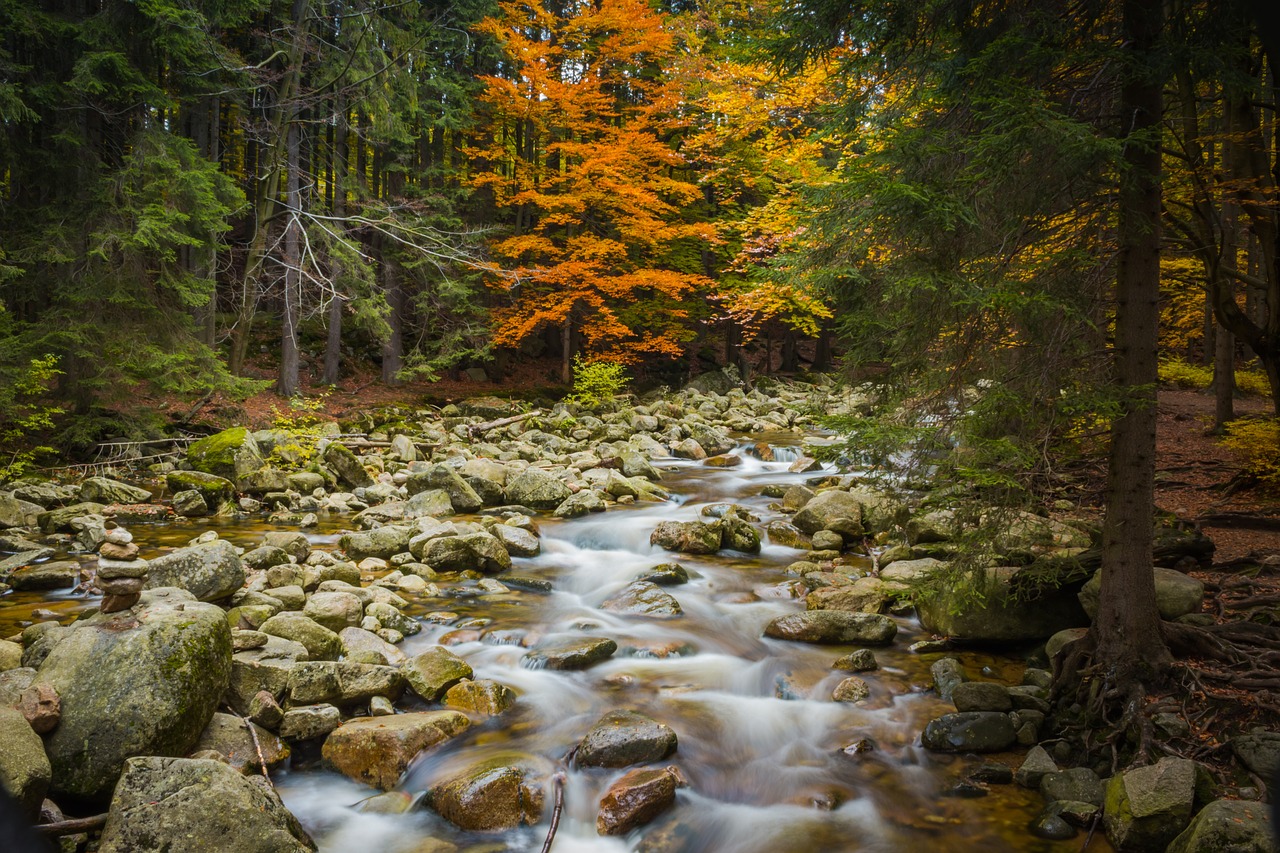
319	641
334	610
1034	768
15	512
573	654
229	736
433	672
358	641
623	738
197	806
833	626
389	617
346	465
1259	750
642	598
342	683
264	669
689	537
60	574
107	491
59	520
1228	826
1078	785
862	660
211	571
832	510
981	696
24	767
970	731
577	505
382	542
462	497
309	722
536	488
481	696
144	681
1148	807
517	542
1176	594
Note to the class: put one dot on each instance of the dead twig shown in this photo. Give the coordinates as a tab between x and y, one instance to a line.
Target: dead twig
73	826
557	782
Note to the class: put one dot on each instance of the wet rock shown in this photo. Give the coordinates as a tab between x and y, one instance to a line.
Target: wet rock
264	669
970	731
689	537
433	672
723	460
346	465
496	794
573	654
334	610
641	598
688	449
230	454
536	488
1001	616
852	689
583	503
381	542
59	520
1034	768
1227	825
377	751
863	660
910	571
832	510
389	617
636	798
517	542
230	736
319	641
140	682
59	574
24	767
1176	594
214	490
1051	827
738	535
666	574
623	738
1077	784
786	534
197	806
1146	808
981	696
309	722
1259	750
864	595
211	571
342	683
833	626
481	697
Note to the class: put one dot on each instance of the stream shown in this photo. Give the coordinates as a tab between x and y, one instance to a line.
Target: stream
760	741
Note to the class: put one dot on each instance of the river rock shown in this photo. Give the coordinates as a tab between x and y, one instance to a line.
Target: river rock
1034	768
382	542
230	454
482	696
211	571
833	626
517	542
636	798
688	449
1147	807
107	491
999	616
981	696
334	610
309	722
377	750
15	512
864	595
641	598
433	672
346	465
462	497
970	731
1176	594
666	574
738	535
214	490
359	642
144	681
59	520
10	655
1227	825
389	617
536	488
263	669
583	503
229	736
622	738
1075	785
498	793
851	689
264	557
572	654
342	683
1259	750
24	767
319	641
59	574
832	510
197	806
689	537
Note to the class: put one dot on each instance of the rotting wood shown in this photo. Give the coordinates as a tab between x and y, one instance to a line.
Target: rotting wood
477	429
73	826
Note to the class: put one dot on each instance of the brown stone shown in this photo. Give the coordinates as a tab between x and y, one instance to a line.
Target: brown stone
116	603
112	551
480	697
377	750
121	586
637	797
41	706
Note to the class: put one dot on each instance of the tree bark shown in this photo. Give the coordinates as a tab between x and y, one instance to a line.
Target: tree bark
333	341
1126	631
287	379
393	347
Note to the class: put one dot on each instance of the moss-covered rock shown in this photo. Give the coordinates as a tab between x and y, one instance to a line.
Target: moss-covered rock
24	768
231	454
346	465
210	571
143	681
998	615
1147	807
1234	825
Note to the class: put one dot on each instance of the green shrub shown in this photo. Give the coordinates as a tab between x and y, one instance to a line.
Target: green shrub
596	383
24	415
1256	441
1184	374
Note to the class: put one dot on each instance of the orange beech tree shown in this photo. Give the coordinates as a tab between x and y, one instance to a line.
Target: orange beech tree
577	147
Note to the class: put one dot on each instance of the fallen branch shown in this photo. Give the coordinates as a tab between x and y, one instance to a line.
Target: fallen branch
557	783
478	429
73	826
257	746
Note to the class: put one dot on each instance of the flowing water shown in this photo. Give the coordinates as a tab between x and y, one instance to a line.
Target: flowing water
765	773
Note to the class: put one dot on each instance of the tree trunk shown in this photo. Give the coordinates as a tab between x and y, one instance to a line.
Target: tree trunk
333	341
393	347
822	351
790	352
566	350
287	380
1126	632
1224	343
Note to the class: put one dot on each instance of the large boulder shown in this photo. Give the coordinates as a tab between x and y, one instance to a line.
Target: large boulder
831	510
346	465
231	454
833	626
264	668
214	489
433	672
15	512
24	768
494	794
197	806
382	542
342	683
1176	594
462	497
864	595
623	738
1238	826
689	537
998	614
144	681
536	488
1148	807
377	750
59	520
104	490
210	571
